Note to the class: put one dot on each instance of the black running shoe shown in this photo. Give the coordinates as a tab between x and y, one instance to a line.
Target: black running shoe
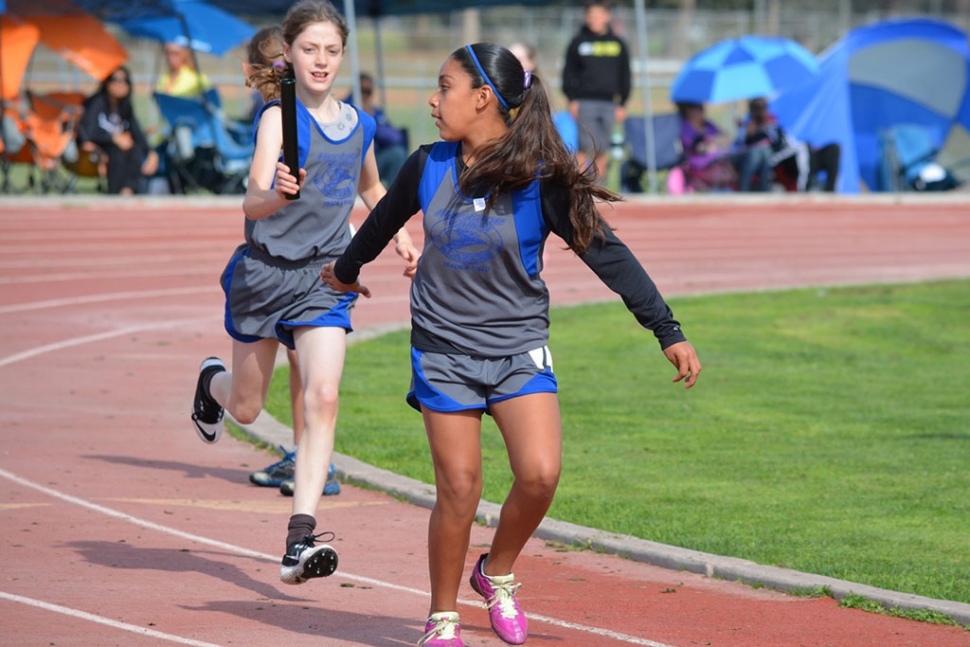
304	560
206	412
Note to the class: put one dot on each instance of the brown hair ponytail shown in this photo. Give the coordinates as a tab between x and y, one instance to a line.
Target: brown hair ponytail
267	66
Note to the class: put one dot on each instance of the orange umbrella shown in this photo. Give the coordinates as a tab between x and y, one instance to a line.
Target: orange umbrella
82	40
17	39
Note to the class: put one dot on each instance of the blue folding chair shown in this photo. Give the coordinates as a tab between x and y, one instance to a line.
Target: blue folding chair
203	148
666	143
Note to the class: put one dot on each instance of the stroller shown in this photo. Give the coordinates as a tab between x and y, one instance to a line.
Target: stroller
203	149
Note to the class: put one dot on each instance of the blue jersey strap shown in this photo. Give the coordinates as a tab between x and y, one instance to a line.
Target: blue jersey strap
441	161
302	129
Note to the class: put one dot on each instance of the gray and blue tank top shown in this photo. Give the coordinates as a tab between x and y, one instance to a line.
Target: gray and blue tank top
495	303
316	225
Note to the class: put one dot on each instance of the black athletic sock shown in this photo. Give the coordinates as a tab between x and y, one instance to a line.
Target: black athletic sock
299	527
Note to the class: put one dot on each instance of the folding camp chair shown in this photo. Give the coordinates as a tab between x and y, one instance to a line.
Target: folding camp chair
203	148
50	126
76	162
667	148
13	146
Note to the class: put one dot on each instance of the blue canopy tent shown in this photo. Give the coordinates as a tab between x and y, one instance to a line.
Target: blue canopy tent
913	72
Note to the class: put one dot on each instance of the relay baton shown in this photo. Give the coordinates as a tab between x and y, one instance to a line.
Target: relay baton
291	155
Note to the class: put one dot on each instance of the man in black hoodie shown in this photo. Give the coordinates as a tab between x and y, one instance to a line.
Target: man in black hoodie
596	80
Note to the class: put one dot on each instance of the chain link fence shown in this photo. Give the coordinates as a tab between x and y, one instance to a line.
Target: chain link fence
413	48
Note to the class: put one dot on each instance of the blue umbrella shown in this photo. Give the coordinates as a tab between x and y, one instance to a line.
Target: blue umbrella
743	68
191	23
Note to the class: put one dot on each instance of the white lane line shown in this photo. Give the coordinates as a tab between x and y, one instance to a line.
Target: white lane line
43	241
606	633
101	244
99	262
154	273
78	341
83	615
109	296
633	640
144	294
230	548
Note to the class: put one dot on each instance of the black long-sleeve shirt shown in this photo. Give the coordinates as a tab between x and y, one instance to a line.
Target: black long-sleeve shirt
610	259
597	67
101	121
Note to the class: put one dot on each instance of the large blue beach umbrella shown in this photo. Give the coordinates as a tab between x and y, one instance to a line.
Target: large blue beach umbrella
743	68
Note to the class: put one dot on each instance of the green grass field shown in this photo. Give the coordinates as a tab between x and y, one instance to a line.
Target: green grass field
828	432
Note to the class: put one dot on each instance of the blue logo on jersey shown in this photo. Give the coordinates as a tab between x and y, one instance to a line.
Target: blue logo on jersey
467	239
336	177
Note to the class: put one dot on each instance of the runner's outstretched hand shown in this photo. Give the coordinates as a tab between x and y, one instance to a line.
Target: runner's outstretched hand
410	254
327	276
684	357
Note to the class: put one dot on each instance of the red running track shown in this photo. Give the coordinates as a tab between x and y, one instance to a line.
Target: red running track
121	528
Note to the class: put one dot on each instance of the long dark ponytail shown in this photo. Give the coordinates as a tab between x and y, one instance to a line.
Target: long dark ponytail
532	148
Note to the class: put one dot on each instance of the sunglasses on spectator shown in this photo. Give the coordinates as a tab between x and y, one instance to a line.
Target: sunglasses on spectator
120	79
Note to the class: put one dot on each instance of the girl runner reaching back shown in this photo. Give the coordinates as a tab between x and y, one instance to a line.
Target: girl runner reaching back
491	193
272	285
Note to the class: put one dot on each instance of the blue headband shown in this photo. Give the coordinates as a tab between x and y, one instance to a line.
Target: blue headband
485	76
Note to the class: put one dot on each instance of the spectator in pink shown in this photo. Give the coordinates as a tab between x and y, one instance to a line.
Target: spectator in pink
711	160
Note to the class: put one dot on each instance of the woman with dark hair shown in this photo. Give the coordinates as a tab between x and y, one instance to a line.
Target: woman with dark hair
109	126
491	193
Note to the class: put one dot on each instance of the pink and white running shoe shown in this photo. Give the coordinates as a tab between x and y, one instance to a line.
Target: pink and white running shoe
508	621
442	630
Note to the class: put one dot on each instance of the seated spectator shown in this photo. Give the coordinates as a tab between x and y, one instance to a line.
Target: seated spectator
108	126
712	162
390	143
181	79
789	157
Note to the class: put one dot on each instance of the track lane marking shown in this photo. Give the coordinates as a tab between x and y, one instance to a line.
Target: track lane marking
101	336
246	552
244	505
108	296
84	615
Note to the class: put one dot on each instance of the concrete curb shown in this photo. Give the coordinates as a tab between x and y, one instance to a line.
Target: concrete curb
268	430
